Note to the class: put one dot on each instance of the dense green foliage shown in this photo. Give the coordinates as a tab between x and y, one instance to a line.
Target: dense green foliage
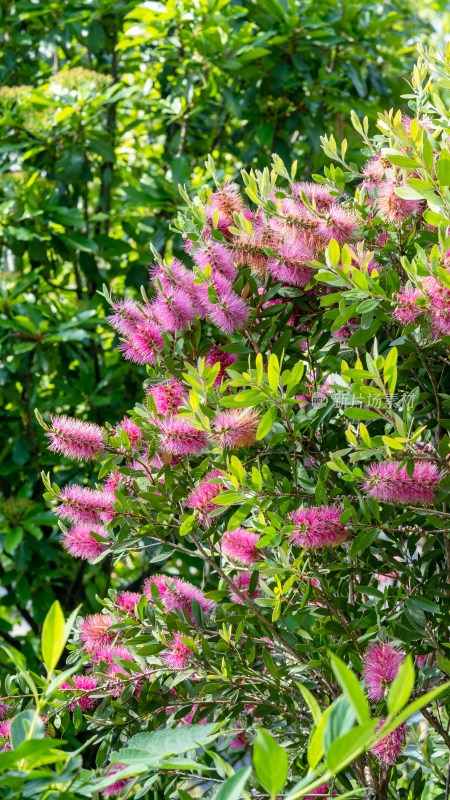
105	107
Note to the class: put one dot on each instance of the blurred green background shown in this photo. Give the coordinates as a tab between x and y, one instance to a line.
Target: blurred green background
106	105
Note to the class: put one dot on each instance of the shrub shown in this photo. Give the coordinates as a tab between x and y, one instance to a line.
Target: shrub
105	107
289	465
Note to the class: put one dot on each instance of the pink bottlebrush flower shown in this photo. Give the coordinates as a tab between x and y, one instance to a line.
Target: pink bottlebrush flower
131	429
439	323
79	542
118	679
388	483
176	593
314	191
393	208
249	252
235	428
143	345
347	331
127	317
386	577
228	200
127	601
84	505
179	438
175	311
216	355
115	788
95	632
222	305
340	224
178	656
407	309
112	482
222	224
239	741
296	218
175	276
425	122
168	397
290	267
381	664
84	684
200	499
376	167
242	582
439	307
322	791
187	720
318	526
107	653
75	438
5	728
241	546
4	708
391	746
219	257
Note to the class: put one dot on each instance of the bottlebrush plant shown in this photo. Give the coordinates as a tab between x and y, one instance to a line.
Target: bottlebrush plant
283	481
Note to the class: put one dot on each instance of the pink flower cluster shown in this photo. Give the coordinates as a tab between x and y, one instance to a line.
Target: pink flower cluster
79	542
168	397
178	656
200	499
380	185
242	583
278	246
176	593
317	527
381	664
435	307
391	746
241	546
387	482
74	438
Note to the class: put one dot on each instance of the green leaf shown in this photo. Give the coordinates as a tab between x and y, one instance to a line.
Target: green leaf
349	746
402	161
315	748
349	684
22	725
363	540
241	514
334	253
311	702
273	372
154	746
227	498
53	636
402	686
390	369
270	762
266	422
233	787
443	168
361	413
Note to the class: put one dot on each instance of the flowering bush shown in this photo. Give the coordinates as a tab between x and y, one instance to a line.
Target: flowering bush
283	480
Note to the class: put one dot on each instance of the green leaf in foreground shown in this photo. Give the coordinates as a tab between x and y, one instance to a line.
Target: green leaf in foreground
270	762
234	786
53	636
